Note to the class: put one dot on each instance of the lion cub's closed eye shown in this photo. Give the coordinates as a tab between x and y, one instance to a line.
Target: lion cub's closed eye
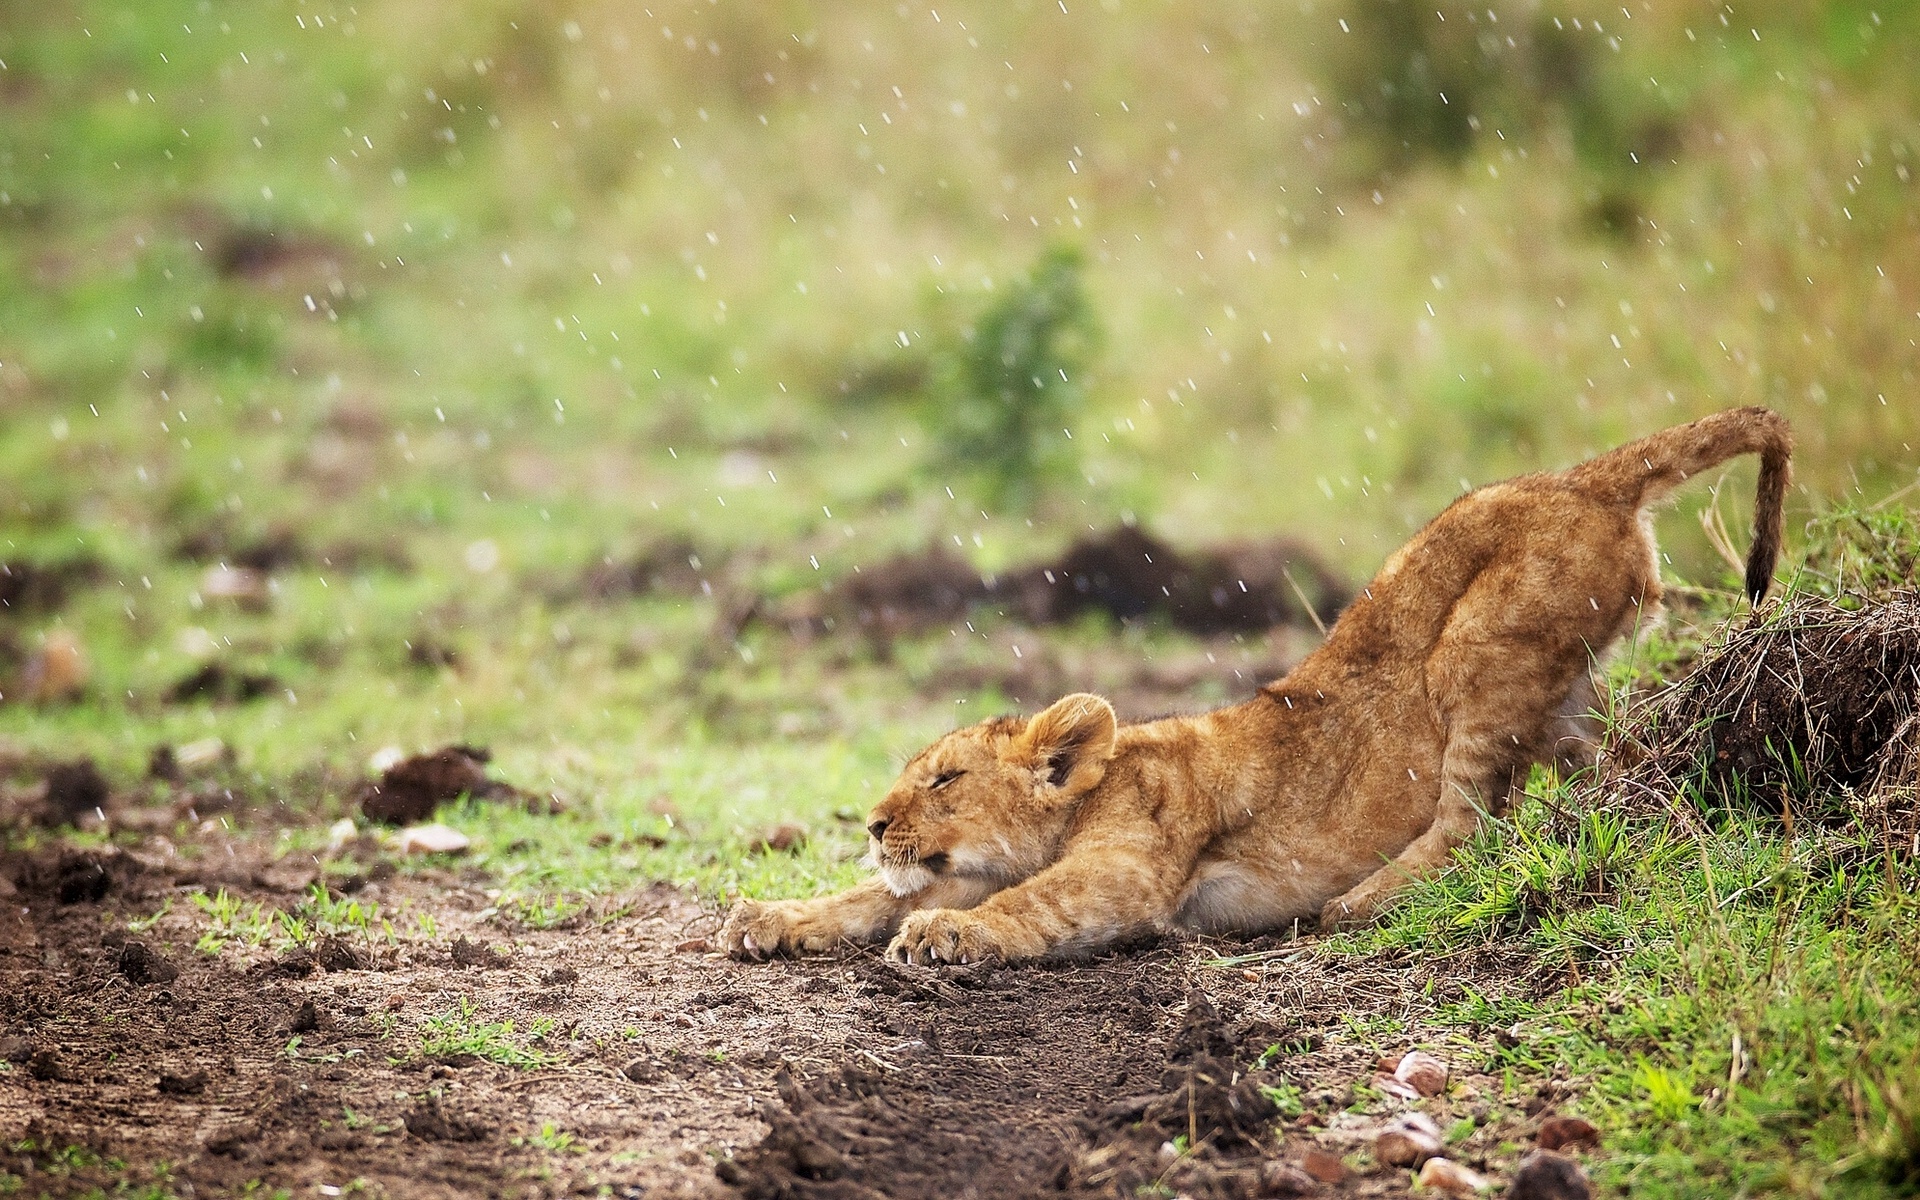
1364	767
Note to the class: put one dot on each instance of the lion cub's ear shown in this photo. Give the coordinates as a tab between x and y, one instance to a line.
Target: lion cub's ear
1071	742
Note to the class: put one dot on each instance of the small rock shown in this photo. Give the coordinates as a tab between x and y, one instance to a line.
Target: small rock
783	838
641	1070
142	966
15	1049
561	977
1284	1179
694	946
1544	1175
190	1084
1450	1177
57	671
207	752
1324	1165
341	834
1558	1132
1411	1139
241	586
431	839
1423	1072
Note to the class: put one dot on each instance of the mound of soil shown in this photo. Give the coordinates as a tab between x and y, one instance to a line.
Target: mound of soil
411	789
1126	574
1808	702
222	684
1129	574
674	567
28	586
74	790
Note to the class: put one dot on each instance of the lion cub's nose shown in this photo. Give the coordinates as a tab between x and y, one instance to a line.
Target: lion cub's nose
879	828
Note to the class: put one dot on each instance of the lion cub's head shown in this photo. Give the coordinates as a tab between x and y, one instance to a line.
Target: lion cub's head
990	801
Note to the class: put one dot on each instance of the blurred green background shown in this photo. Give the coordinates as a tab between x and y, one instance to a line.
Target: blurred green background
429	309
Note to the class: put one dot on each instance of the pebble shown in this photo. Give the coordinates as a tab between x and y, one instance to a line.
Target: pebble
1284	1179
1324	1165
1544	1175
1450	1177
1558	1132
242	586
1422	1071
431	839
1411	1139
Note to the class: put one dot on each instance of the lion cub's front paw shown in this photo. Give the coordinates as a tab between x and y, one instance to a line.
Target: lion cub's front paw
945	935
758	929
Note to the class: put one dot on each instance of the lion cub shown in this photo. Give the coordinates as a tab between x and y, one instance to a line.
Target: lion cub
1322	796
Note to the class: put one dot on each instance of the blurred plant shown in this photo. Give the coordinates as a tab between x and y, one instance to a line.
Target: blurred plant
1422	81
1014	386
1415	83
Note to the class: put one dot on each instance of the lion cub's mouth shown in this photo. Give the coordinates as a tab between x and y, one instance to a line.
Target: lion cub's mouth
904	876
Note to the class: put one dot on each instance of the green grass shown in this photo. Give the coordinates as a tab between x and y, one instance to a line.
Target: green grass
553	290
460	1030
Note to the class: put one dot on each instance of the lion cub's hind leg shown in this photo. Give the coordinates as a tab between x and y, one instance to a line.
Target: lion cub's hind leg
1496	681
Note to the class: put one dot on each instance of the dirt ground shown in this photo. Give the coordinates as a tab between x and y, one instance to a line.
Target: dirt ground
661	1068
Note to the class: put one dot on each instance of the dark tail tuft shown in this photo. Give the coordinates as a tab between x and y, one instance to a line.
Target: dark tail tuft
1768	500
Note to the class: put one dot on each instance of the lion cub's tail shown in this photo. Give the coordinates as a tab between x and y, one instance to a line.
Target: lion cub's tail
1641	472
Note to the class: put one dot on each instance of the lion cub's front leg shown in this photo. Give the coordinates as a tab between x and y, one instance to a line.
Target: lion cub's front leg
866	912
1084	901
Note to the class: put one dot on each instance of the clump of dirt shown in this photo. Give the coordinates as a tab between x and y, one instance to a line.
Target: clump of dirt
222	684
143	966
900	596
1126	574
412	788
75	789
71	876
1214	1102
28	586
275	549
1802	705
673	566
265	254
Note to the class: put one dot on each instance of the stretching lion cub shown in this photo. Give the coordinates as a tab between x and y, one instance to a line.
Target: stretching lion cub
1360	770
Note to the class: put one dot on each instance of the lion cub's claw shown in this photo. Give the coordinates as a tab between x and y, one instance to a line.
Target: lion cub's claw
944	936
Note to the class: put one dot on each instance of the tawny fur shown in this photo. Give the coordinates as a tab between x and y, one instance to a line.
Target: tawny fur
1439	687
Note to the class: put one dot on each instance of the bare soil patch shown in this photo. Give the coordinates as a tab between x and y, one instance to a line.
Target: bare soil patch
641	1062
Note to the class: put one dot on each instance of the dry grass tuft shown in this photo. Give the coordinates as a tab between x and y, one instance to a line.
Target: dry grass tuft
1809	710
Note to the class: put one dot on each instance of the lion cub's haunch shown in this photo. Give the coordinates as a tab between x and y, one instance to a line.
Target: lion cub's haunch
1436	691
